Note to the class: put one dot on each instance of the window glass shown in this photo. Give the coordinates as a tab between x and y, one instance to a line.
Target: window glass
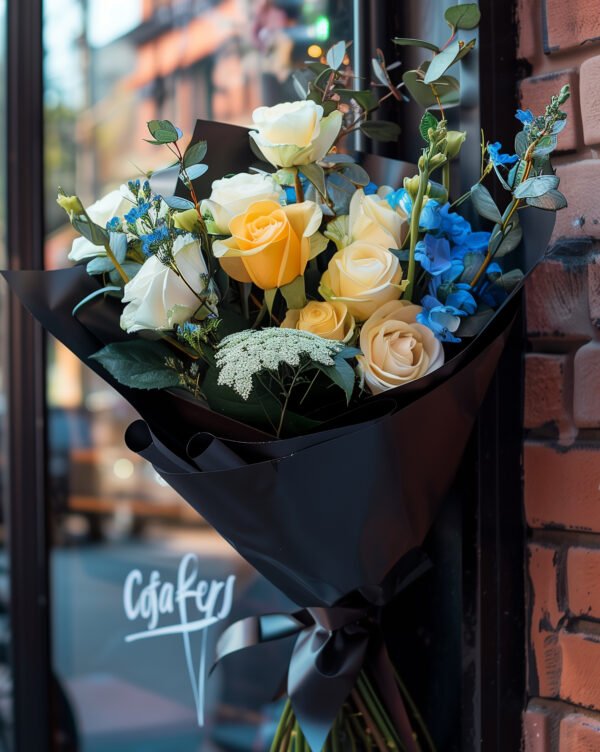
131	678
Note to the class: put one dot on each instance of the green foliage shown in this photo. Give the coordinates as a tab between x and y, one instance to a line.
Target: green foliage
465	16
163	132
428	121
381	130
138	364
553	200
195	153
536	186
485	204
407	42
442	61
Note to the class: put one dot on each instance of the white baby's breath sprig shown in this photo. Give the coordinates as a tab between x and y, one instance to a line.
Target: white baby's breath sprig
243	355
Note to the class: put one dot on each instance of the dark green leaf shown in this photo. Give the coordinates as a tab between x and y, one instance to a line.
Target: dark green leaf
465	16
194	153
317	68
500	245
295	293
551	201
441	62
163	131
139	364
381	130
447	88
366	99
406	42
427	121
484	203
336	54
342	374
537	186
102	291
91	231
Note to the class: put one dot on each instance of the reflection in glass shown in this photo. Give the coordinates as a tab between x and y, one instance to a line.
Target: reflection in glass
110	66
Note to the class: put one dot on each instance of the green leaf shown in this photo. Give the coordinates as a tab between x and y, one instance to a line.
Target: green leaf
342	374
441	62
270	298
91	231
484	203
176	202
356	174
366	99
381	130
102	291
427	121
521	143
465	16
163	131
294	293
500	246
545	146
407	42
447	88
552	201
336	54
195	153
536	186
470	326
138	364
465	49
316	175
380	72
338	158
195	171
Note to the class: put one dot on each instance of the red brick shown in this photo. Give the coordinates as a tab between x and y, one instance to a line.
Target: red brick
543	575
570	25
580	182
547	391
579	733
541	723
590	99
547	660
580	675
562	487
529	15
583	581
586	379
556	299
536	93
594	290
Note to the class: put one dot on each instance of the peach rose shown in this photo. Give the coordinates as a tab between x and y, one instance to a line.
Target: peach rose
363	276
330	320
395	348
270	245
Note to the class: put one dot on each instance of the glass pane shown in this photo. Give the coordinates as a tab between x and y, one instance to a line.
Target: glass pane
6	742
124	545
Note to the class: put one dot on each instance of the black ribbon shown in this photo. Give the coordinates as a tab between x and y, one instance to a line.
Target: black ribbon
333	644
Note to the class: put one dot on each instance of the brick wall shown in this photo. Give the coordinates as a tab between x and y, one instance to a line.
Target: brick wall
559	42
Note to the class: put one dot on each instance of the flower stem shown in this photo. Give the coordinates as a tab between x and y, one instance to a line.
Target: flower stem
415	712
118	267
282	727
378	740
298	187
414	231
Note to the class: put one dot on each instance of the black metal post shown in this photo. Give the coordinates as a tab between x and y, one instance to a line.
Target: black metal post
26	374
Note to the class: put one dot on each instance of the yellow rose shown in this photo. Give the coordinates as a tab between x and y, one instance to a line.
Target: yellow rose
330	320
372	219
270	244
363	276
396	349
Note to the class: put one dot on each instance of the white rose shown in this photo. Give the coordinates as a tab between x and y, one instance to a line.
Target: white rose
157	297
374	220
233	195
363	276
114	204
295	133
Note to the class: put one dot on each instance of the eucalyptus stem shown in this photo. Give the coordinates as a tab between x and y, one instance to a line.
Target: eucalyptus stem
118	267
298	187
414	230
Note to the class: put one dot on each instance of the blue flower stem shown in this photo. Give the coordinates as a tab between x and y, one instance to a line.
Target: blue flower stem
414	230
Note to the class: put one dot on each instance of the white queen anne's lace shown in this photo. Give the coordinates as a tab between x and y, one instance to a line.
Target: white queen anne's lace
244	354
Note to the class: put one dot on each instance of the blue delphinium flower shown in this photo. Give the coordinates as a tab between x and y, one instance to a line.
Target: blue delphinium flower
400	198
430	216
153	240
497	157
451	293
114	225
525	116
474	242
433	253
443	320
453	225
137	212
370	189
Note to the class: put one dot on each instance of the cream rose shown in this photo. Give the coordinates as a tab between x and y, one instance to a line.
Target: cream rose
233	195
294	133
371	218
396	349
270	244
157	297
114	204
363	276
329	319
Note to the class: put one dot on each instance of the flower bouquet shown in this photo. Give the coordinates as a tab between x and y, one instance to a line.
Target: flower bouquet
297	338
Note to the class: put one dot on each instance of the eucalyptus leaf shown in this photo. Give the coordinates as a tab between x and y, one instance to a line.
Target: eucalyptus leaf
465	49
195	153
195	171
356	174
316	175
102	291
536	186
501	245
366	99
447	88
484	203
545	146
139	364
380	72
176	202
551	201
441	62
521	143
465	16
336	54
381	130
335	158
163	131
91	231
407	42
